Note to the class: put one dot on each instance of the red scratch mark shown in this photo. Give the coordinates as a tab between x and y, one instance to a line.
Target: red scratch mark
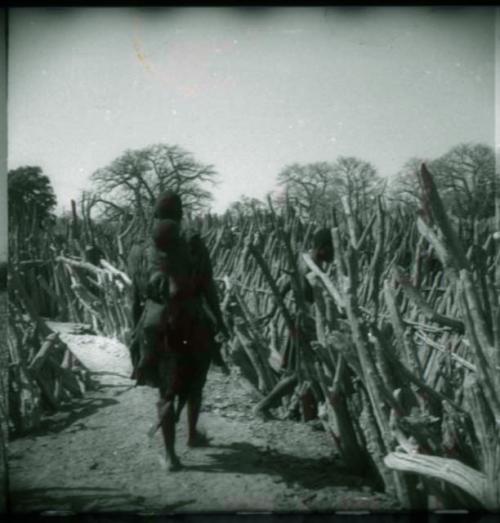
192	73
141	55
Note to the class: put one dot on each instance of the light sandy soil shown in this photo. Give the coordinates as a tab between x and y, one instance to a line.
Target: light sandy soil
95	455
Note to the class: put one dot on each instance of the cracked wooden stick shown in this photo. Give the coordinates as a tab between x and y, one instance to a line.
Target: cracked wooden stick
452	471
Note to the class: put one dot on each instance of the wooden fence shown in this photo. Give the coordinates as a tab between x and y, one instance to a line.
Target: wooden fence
403	360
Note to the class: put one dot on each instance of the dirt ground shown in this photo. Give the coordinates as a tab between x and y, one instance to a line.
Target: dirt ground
95	455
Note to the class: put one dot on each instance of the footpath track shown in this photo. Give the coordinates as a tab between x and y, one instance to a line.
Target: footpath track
95	456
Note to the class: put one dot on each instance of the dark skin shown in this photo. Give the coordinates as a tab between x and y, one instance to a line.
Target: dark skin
177	285
178	281
168	431
323	254
194	398
208	289
166	404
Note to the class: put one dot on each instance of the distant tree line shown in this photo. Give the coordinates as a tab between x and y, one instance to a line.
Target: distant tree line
125	190
465	176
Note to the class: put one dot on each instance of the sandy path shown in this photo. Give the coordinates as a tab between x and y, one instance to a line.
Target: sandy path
95	455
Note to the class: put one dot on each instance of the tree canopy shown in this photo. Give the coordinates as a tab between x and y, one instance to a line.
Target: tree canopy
31	198
316	189
246	205
465	177
129	186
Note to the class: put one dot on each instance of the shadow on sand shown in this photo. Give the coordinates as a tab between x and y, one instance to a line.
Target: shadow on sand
310	473
82	500
68	414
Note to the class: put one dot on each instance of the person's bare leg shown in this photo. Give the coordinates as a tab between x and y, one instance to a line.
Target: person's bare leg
168	431
180	405
217	358
195	438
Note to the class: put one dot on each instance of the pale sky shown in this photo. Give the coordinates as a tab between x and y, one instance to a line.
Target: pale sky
249	91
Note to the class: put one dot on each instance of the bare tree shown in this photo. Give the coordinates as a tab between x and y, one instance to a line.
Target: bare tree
316	189
128	187
309	189
465	177
358	181
404	187
467	180
246	206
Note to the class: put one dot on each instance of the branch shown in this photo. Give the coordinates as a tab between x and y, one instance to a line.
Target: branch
449	470
330	287
113	270
415	297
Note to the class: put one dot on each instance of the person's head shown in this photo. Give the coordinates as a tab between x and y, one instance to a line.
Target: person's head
166	235
323	245
168	207
93	254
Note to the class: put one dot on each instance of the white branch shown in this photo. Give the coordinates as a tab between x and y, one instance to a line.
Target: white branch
450	470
